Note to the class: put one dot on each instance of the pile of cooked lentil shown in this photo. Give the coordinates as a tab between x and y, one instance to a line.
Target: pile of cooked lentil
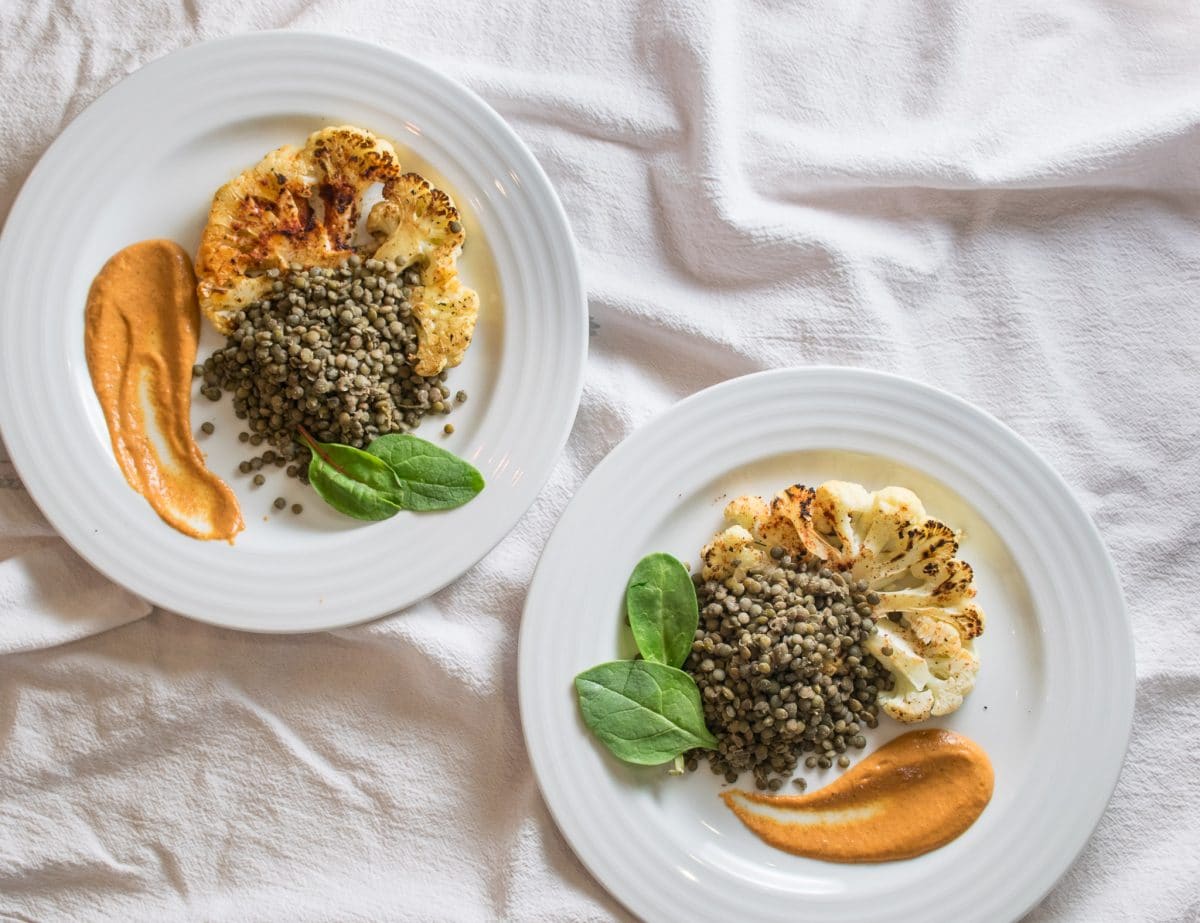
328	350
779	661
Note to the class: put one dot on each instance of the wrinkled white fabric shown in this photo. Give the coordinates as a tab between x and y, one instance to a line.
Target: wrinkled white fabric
1000	199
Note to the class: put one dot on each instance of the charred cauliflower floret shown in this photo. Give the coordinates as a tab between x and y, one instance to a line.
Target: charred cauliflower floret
303	206
731	554
922	592
757	526
928	681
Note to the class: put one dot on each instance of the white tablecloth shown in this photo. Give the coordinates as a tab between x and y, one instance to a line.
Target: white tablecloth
998	199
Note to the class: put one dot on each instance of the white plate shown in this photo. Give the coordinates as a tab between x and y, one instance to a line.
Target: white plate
1052	707
144	161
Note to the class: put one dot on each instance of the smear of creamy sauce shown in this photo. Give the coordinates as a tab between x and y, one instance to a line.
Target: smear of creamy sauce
142	330
912	795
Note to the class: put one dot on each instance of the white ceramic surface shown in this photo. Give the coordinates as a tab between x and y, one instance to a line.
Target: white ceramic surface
143	161
1052	706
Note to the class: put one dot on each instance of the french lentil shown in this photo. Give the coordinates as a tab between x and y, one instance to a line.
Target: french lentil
329	349
777	657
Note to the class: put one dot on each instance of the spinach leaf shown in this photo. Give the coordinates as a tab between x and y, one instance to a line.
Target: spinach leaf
430	478
352	481
645	713
662	607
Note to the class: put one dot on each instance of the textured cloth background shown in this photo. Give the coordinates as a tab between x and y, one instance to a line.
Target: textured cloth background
998	199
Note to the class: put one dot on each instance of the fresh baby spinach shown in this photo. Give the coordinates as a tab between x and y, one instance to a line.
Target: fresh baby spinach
649	711
394	473
430	477
644	712
352	481
661	602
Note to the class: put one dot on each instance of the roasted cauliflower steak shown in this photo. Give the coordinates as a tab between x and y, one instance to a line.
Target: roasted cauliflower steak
927	617
304	205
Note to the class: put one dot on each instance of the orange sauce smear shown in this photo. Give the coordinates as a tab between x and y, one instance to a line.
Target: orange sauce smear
141	335
909	797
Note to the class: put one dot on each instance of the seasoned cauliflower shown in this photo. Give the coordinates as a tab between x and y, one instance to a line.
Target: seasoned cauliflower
731	554
303	206
926	681
922	593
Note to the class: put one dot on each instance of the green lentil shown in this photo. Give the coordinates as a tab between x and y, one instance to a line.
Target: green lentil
778	661
329	350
